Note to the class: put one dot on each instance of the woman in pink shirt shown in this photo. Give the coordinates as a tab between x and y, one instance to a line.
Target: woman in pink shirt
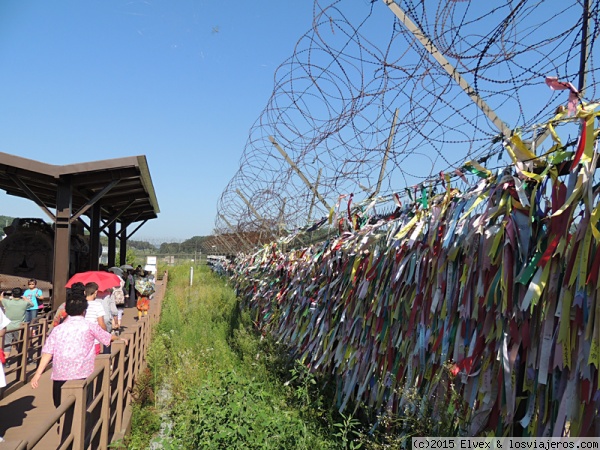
71	346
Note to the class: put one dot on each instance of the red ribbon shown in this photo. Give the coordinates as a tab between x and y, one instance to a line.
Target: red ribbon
580	146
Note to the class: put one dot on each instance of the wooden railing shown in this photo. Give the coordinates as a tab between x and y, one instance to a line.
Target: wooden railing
27	343
96	411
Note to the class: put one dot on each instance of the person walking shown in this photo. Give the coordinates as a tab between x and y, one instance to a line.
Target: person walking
95	311
119	297
71	346
106	299
129	290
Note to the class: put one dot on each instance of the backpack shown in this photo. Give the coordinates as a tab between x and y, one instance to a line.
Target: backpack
118	296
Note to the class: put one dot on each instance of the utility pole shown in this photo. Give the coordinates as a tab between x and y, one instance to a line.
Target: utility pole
255	212
242	240
298	171
585	48
387	152
312	202
449	68
583	60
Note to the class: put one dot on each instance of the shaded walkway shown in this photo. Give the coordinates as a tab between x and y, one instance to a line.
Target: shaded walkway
24	412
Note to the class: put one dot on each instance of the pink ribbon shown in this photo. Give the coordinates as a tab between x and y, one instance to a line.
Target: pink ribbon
556	85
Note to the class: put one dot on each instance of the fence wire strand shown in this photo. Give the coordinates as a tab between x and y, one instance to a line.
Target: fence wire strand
335	97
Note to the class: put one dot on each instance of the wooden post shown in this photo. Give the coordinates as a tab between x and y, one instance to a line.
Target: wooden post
136	353
45	326
75	388
22	376
119	350
104	362
143	329
128	365
141	355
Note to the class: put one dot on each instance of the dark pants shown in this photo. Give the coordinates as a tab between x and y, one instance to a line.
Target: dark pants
130	301
56	390
56	387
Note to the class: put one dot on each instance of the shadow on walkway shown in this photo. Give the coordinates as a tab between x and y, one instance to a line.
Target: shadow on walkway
14	413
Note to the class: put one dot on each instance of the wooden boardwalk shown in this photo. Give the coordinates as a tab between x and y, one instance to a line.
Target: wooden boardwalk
26	410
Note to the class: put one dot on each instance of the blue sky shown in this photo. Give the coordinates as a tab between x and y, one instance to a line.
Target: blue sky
182	82
178	81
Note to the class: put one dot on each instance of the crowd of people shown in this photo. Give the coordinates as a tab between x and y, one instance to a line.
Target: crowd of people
83	326
73	344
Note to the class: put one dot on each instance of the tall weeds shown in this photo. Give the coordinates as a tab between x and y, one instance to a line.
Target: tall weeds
226	387
223	393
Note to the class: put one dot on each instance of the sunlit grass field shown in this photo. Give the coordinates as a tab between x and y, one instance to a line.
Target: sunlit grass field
213	383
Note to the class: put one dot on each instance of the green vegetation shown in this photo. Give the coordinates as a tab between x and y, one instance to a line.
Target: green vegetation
5	221
189	246
213	382
223	383
130	257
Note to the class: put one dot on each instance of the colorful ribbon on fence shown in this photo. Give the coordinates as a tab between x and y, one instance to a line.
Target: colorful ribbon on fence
498	283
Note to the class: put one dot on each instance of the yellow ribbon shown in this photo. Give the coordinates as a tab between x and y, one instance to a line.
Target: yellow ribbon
406	228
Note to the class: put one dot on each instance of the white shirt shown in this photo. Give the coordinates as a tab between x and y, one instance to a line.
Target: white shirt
4	321
93	311
110	310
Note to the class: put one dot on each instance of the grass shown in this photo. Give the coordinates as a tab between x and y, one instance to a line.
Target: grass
223	390
229	387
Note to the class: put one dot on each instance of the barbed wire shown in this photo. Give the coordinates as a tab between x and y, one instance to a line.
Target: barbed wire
334	102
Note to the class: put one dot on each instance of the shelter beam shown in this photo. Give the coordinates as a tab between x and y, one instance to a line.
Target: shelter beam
62	238
32	196
94	200
112	243
136	228
95	236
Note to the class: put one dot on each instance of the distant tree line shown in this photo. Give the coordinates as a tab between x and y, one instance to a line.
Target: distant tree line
141	245
196	244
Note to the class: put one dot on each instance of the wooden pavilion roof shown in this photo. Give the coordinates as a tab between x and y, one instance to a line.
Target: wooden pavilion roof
122	186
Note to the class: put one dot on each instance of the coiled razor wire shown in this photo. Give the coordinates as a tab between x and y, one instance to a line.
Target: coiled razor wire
363	108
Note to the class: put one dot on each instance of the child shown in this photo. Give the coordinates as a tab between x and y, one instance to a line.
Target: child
33	294
143	304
